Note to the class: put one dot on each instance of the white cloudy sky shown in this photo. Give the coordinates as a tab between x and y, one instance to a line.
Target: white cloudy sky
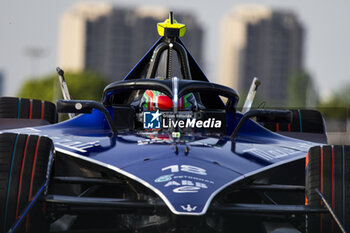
34	23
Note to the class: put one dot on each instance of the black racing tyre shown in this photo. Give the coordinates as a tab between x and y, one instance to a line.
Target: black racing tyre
303	121
24	161
328	170
21	108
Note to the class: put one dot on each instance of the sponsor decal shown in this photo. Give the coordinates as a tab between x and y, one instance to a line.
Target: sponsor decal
270	153
184	183
76	145
164	178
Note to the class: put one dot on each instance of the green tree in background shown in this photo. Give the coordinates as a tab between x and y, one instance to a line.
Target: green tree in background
300	90
342	97
338	105
83	85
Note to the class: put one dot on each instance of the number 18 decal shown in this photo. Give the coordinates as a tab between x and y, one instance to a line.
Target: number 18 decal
186	168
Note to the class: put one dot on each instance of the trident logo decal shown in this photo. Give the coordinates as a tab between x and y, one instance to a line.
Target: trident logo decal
188	208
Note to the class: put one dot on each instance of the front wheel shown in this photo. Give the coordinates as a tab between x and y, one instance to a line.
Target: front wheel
328	170
24	162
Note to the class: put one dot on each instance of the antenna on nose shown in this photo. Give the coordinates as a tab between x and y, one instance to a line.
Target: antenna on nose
171	17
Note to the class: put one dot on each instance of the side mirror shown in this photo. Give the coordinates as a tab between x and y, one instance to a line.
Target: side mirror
76	106
268	115
84	106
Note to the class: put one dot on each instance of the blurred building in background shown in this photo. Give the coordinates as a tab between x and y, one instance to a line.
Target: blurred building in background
1	84
257	41
111	40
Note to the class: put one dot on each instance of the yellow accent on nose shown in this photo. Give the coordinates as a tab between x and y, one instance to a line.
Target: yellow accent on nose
174	29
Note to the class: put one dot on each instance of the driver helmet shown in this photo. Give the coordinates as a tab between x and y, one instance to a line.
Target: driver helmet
156	100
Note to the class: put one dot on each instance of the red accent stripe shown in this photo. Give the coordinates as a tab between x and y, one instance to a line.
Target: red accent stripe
306	164
32	176
289	128
21	176
42	110
277	127
321	185
31	180
30	108
332	171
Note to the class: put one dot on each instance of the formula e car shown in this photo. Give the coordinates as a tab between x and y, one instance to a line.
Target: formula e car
168	151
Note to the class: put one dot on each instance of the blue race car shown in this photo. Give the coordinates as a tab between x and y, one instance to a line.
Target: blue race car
167	151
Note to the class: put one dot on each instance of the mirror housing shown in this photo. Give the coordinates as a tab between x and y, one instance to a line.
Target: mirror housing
84	106
75	106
